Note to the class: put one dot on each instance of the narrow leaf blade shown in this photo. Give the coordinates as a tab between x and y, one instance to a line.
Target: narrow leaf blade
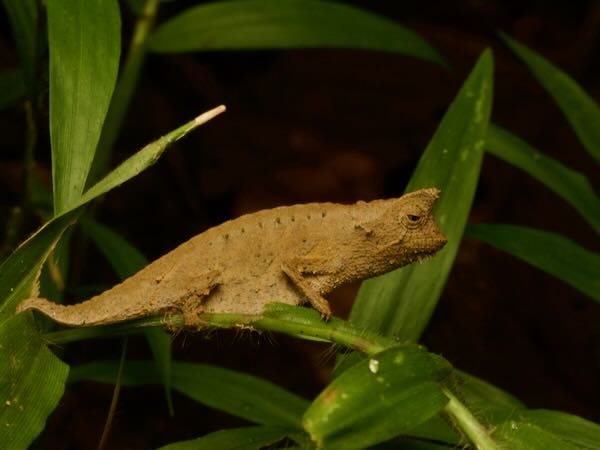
401	302
580	109
265	24
247	438
553	253
12	88
144	158
84	42
569	184
126	260
23	15
236	393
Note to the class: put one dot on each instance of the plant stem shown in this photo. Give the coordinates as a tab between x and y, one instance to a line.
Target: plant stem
468	423
114	400
294	321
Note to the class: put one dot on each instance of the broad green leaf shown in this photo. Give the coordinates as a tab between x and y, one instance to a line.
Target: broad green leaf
570	428
126	260
12	88
401	302
25	402
285	24
248	438
377	399
571	185
527	436
580	109
241	395
32	382
84	42
553	253
23	15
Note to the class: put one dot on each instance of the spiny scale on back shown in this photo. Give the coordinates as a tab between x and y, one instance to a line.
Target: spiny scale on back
291	254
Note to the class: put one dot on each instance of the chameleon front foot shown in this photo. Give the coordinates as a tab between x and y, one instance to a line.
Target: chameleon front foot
314	298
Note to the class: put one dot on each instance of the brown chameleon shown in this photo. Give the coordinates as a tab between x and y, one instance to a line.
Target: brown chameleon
291	254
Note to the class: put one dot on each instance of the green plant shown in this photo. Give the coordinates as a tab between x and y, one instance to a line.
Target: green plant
433	404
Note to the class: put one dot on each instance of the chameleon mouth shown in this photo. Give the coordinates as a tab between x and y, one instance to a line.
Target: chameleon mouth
430	244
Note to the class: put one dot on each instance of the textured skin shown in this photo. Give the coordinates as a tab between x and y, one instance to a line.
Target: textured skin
290	254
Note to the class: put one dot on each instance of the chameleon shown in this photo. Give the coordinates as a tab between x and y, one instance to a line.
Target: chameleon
290	254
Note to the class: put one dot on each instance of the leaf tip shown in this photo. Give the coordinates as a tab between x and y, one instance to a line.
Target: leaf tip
208	115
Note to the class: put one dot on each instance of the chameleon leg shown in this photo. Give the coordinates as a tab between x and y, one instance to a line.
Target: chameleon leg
194	290
316	300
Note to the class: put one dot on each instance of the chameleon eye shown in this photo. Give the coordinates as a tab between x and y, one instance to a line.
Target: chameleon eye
411	220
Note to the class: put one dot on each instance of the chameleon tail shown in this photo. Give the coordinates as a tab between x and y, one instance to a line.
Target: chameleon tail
77	315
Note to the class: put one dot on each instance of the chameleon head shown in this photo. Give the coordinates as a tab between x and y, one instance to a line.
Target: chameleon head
419	234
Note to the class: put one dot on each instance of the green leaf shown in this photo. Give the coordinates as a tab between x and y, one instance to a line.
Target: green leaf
23	15
123	257
25	360
32	382
285	24
241	395
385	396
21	269
126	260
401	302
145	157
550	252
570	428
247	438
571	185
125	88
527	436
481	395
85	42
580	109
12	88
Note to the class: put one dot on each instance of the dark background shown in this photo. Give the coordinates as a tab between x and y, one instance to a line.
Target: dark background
326	125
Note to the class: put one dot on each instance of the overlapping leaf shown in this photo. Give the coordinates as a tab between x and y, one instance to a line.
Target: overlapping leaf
401	302
379	398
84	41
